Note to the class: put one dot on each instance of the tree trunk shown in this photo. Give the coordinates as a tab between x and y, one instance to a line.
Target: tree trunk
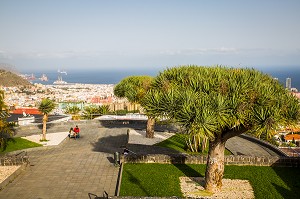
150	127
45	118
215	165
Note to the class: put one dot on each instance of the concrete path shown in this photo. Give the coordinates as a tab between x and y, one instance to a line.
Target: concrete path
240	146
73	169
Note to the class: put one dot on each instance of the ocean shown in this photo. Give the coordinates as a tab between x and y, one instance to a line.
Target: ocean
114	76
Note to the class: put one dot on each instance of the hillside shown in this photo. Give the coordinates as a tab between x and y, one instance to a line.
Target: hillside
10	79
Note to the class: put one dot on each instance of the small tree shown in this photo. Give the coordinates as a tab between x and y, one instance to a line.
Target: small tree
134	88
73	110
221	103
90	112
104	109
5	130
45	107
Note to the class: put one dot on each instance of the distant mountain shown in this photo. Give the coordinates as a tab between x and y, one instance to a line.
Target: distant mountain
10	79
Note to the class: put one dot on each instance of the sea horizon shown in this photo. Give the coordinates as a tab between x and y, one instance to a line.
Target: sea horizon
98	76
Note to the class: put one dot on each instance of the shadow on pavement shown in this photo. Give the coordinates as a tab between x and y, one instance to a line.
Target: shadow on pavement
110	144
136	124
94	196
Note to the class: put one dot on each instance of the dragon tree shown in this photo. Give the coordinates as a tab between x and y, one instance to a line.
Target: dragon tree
220	103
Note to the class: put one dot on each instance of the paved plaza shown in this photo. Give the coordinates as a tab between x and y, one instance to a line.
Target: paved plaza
83	167
73	169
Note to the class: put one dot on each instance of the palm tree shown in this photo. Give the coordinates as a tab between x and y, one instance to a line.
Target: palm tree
90	112
134	88
220	103
45	107
104	109
73	110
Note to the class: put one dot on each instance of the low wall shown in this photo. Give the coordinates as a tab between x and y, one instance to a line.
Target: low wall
14	159
25	120
198	159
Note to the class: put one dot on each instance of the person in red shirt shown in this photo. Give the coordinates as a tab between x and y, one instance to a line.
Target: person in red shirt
77	131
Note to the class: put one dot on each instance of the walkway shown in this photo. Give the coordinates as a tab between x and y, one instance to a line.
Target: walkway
240	146
73	169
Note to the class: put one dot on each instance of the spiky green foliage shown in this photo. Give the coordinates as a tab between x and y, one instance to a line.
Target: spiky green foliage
90	112
133	88
72	110
220	101
5	130
46	106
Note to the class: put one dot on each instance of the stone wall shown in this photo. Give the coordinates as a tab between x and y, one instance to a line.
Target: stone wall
197	159
14	159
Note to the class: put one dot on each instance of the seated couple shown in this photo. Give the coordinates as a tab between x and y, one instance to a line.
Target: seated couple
74	132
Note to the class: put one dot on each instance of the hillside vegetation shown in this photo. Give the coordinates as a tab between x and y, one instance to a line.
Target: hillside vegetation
9	79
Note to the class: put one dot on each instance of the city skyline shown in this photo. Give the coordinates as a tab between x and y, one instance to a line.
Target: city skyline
148	34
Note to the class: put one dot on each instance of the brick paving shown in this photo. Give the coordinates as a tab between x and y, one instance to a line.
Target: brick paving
73	169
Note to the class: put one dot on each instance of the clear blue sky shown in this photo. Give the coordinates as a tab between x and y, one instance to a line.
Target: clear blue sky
148	34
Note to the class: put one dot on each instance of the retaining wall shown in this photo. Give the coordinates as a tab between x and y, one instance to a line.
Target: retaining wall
228	160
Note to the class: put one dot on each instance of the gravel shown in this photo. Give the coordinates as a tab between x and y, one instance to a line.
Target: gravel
234	189
6	171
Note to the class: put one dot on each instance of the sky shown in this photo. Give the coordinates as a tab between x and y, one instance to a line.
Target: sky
148	34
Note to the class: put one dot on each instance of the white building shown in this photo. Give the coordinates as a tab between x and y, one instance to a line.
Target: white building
288	83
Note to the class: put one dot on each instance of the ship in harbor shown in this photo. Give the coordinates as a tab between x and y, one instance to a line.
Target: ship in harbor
44	78
59	80
28	77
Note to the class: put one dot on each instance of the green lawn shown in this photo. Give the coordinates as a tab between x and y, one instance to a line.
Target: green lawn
163	179
177	142
17	143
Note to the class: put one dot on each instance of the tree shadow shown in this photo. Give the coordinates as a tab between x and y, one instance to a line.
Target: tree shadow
137	125
290	176
187	170
110	159
110	144
117	143
136	181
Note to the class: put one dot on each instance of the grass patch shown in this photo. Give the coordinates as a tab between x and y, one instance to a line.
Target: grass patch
163	179
177	142
18	143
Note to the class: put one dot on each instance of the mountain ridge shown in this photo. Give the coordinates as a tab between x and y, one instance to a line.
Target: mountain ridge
10	79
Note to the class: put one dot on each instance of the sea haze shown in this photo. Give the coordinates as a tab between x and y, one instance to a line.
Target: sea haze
115	76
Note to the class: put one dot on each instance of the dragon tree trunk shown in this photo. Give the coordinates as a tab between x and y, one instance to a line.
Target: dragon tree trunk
215	165
150	127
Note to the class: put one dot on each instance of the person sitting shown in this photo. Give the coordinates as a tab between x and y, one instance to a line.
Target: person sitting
126	151
72	133
76	131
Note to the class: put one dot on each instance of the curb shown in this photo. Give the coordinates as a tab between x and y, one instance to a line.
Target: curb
13	176
117	193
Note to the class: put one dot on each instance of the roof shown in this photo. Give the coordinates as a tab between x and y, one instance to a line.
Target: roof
38	117
291	136
31	111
